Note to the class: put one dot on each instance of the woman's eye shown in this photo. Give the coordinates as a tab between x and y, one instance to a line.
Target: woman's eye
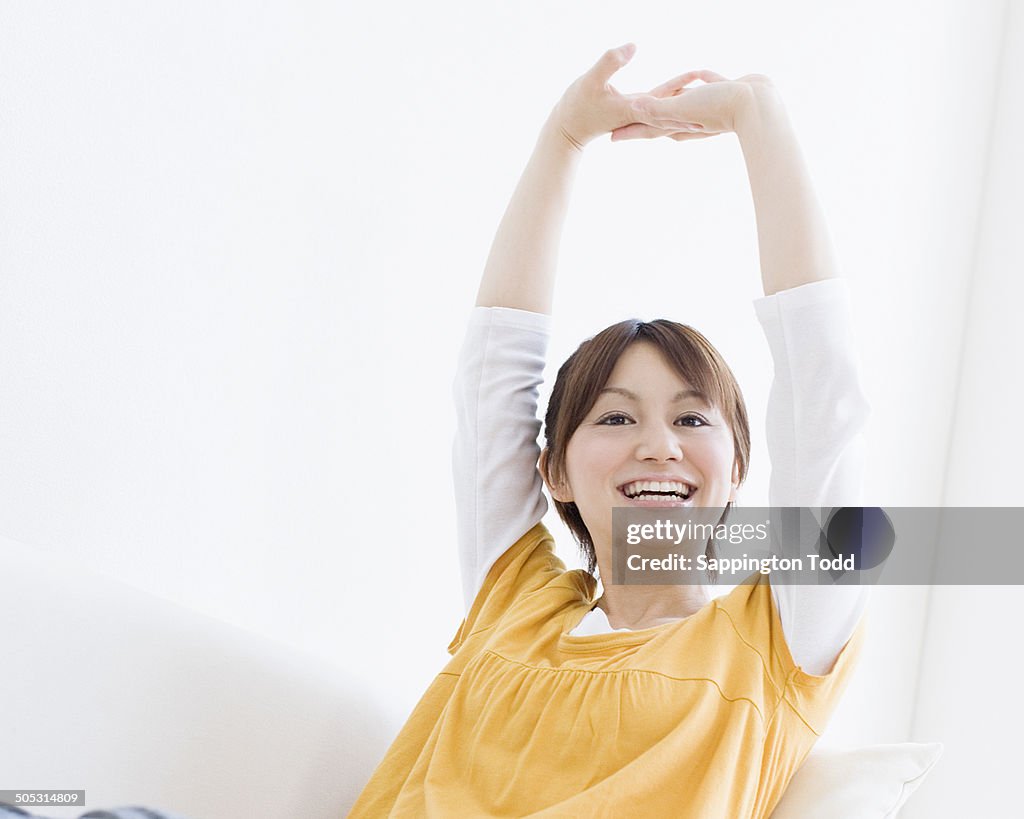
692	421
616	419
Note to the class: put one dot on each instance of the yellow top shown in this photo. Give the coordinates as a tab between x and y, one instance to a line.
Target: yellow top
703	717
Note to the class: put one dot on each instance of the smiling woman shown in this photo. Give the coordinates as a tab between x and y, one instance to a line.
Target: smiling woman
670	390
652	700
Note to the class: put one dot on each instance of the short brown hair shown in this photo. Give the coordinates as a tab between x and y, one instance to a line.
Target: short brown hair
586	372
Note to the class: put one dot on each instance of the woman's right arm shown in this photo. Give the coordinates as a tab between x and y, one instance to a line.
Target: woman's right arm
520	269
498	490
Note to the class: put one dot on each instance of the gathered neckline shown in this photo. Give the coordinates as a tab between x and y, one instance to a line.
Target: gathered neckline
624	636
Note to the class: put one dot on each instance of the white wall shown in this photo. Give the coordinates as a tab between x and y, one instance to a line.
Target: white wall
239	243
971	657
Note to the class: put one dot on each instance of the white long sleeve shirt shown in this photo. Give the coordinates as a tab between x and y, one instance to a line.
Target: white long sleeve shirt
816	415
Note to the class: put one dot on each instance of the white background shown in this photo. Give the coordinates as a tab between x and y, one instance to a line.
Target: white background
239	243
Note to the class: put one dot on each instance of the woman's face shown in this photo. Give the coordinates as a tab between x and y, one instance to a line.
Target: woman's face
649	440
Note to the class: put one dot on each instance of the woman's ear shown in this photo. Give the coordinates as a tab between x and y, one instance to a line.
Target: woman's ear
735	480
560	491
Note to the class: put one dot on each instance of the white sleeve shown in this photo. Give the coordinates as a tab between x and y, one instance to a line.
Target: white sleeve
816	416
498	489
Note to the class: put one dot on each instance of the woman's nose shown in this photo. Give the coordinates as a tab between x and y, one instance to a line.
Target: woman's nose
659	443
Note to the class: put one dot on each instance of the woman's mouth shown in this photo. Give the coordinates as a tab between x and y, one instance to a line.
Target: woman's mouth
658	493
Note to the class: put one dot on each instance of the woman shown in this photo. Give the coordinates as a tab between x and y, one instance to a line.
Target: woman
646	700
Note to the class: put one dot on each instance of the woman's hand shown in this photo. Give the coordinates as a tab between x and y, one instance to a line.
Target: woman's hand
591	106
678	112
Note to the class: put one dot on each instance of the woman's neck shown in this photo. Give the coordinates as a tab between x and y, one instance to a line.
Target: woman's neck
636	607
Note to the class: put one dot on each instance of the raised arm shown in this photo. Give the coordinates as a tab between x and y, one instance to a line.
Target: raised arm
520	269
816	409
498	490
792	235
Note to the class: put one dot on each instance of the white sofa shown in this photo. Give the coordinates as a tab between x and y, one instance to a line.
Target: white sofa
143	702
139	701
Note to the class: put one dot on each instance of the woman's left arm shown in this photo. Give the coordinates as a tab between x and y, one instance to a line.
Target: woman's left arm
792	236
816	408
815	434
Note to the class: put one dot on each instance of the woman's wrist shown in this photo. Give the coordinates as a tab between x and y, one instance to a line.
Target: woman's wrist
759	107
555	135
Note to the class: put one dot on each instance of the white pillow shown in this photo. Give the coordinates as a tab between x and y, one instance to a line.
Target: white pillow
860	783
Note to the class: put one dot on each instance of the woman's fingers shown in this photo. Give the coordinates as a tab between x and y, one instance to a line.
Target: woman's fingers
636	130
666	114
711	76
660	111
707	110
678	84
639	130
675	85
672	105
681	137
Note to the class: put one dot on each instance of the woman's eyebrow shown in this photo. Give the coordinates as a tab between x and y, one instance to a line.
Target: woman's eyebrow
682	395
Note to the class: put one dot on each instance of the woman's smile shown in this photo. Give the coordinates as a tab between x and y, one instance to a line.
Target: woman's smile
658	491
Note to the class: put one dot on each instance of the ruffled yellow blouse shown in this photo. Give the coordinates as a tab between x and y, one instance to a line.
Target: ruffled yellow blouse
702	717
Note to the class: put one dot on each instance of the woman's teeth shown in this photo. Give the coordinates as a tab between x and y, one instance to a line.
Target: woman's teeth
657	490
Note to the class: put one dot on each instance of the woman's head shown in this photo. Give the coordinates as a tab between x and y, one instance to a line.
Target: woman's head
638	405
